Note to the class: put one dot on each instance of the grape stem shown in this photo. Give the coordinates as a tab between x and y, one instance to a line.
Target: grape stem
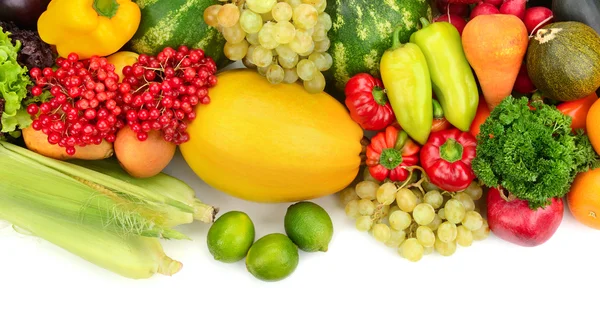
419	183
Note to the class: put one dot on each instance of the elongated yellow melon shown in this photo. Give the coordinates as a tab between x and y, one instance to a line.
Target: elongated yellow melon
272	143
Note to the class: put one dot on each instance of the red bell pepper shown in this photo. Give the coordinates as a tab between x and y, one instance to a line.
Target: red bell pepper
367	102
390	153
446	159
578	110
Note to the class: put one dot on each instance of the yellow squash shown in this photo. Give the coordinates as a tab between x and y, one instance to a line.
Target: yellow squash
272	143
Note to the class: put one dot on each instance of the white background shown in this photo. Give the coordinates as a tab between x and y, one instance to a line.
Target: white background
358	283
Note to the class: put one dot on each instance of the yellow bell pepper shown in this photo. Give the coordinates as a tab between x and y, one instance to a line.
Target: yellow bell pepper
89	27
121	60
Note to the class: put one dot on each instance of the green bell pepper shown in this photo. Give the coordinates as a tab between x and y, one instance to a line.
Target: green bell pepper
451	75
405	75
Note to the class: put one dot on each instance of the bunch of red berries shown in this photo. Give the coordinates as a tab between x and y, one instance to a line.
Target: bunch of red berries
160	93
83	107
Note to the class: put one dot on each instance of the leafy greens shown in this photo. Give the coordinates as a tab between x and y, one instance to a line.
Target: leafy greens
531	153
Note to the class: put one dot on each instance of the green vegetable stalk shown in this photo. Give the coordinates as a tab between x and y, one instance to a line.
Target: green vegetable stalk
13	87
533	154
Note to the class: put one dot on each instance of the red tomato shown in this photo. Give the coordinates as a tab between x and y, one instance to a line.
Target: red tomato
578	110
483	112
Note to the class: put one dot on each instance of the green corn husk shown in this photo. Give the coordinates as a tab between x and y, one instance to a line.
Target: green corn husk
135	257
108	198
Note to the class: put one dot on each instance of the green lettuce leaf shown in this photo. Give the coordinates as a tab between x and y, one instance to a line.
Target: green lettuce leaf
13	86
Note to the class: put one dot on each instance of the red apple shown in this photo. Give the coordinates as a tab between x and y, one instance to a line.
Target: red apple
458	22
515	222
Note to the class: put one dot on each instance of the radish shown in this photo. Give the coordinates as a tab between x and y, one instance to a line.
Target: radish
484	9
514	7
457	9
458	22
523	84
536	17
495	3
512	220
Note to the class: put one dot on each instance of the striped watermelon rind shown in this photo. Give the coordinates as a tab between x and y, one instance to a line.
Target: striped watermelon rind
172	23
362	30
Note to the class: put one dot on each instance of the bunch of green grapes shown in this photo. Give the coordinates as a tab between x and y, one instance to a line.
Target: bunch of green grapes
416	223
285	40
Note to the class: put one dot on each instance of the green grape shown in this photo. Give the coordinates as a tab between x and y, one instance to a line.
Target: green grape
284	32
282	12
234	34
307	70
419	195
267	17
311	2
319	33
290	77
427	250
266	36
381	232
367	175
364	223
228	15
386	193
261	6
275	74
262	57
294	3
366	207
323	61
399	220
393	208
454	211
482	233
445	248
423	214
321	6
442	214
285	51
302	42
434	198
250	21
351	209
262	70
446	232
322	46
425	236
474	191
437	221
288	62
247	63
406	200
347	195
236	51
411	250
428	186
384	210
305	16
466	200
472	220
367	190
315	85
308	51
325	20
253	39
464	237
210	15
396	238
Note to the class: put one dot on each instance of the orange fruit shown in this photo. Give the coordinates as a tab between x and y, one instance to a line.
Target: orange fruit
593	125
584	198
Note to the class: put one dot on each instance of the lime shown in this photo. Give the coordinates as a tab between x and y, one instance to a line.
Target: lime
309	226
230	237
272	258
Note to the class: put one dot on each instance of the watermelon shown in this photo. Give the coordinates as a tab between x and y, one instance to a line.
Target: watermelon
172	23
362	30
